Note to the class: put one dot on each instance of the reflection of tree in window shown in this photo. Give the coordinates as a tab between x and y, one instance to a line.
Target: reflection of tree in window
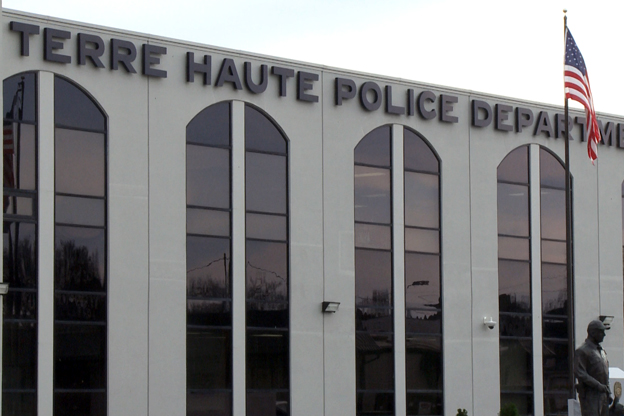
80	275
374	339
423	307
267	279
514	281
208	263
20	268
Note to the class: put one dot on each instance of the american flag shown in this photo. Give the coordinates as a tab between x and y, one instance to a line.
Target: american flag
576	84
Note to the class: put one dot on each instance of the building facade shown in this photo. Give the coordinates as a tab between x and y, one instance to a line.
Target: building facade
175	216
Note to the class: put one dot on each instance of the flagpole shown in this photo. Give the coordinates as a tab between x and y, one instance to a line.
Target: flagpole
568	205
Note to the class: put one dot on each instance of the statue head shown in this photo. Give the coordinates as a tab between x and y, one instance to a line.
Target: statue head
596	331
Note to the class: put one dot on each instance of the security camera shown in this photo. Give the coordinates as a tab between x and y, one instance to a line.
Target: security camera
489	322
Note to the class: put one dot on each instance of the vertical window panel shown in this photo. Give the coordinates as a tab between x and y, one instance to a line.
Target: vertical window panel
80	255
267	267
208	263
374	338
514	281
422	280
20	240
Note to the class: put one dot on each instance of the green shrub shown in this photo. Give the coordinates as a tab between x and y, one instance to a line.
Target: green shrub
462	412
509	410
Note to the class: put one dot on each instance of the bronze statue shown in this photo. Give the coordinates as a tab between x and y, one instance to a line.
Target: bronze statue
591	369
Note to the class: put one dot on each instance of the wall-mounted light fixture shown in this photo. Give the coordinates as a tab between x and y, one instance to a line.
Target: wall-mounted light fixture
489	322
330	307
4	288
606	320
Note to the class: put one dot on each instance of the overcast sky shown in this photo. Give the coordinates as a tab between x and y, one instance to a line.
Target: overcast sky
501	47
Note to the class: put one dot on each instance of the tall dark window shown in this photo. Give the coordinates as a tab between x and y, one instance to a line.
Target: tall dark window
80	254
423	305
514	281
208	263
557	337
374	339
20	235
267	268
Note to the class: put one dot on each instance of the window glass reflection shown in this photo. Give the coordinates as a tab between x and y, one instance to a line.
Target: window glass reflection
422	277
423	362
513	209
73	108
552	172
553	214
374	361
554	251
271	402
555	327
373	285
208	222
19	362
79	155
20	97
207	176
209	365
22	403
209	312
424	241
79	259
419	321
514	286
516	373
374	319
417	154
554	289
267	359
266	227
372	195
261	134
79	211
208	267
19	156
267	271
556	366
424	403
513	248
514	168
211	126
422	200
378	403
374	148
265	181
78	307
79	352
219	402
518	325
373	236
16	205
267	315
80	403
19	253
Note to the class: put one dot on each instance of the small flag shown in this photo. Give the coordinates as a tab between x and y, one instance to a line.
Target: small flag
576	84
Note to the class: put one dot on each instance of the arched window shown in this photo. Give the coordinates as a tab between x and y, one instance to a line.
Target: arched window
208	261
20	234
533	274
423	283
374	339
382	253
80	253
212	262
514	281
267	266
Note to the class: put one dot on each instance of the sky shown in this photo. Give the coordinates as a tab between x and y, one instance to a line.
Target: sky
508	48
